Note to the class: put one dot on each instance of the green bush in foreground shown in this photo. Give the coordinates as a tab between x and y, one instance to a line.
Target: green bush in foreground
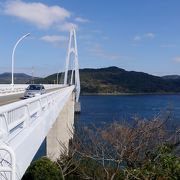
43	169
161	164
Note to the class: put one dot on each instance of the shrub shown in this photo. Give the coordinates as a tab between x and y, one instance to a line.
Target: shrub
43	169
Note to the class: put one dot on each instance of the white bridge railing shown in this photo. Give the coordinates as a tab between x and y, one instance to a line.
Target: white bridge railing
23	127
8	89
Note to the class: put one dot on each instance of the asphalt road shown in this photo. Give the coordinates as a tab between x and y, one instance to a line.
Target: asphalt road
17	97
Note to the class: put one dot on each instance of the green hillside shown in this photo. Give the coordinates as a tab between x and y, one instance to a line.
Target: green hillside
116	80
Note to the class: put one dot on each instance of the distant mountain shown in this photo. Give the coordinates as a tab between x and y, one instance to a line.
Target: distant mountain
19	78
116	80
112	80
171	77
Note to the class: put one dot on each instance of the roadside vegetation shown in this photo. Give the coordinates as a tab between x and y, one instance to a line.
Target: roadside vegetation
146	150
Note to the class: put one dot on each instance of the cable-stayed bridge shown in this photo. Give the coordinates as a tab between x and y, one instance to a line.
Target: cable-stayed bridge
24	124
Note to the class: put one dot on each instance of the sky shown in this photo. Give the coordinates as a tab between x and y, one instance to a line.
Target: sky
136	35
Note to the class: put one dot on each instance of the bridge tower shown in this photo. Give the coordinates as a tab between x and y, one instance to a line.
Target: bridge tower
72	65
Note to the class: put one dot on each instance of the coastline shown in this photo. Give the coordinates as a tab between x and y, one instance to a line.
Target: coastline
129	94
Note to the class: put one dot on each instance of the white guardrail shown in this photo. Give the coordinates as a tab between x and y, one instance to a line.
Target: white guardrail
8	89
23	127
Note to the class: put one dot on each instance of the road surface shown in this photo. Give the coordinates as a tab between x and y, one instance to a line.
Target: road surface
17	97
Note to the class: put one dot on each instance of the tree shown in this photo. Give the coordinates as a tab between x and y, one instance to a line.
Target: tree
125	151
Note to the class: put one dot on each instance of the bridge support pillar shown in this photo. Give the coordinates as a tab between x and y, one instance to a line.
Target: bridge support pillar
77	107
62	131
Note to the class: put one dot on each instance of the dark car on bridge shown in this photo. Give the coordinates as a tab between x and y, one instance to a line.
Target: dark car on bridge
34	90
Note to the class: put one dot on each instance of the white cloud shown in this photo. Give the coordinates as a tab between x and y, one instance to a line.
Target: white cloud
177	59
105	37
81	20
137	38
67	26
98	51
141	37
150	35
54	39
168	46
41	15
84	37
97	31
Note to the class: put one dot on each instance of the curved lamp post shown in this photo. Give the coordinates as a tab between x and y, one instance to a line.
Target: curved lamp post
12	81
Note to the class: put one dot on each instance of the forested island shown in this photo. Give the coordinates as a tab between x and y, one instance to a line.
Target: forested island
110	80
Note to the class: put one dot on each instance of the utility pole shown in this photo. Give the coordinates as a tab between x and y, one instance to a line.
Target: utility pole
32	80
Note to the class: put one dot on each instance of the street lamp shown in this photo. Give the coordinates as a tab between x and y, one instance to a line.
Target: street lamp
12	81
58	78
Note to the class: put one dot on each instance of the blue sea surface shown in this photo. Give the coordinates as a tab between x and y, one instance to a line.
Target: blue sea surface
107	109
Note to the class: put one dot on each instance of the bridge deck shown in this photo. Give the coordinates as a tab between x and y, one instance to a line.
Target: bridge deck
24	125
4	100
